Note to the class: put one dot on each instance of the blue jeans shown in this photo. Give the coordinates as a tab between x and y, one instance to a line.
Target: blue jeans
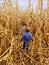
26	45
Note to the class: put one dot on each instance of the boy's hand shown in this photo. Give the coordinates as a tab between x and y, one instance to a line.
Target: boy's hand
20	44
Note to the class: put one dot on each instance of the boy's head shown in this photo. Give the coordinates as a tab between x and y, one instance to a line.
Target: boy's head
27	29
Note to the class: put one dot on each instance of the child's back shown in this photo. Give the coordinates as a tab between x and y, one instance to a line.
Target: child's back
27	36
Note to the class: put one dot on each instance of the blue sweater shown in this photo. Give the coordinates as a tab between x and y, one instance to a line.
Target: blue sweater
27	36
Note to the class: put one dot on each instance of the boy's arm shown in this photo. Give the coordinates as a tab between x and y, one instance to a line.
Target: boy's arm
21	39
32	39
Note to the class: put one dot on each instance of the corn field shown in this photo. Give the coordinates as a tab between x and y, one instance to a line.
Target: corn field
13	21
